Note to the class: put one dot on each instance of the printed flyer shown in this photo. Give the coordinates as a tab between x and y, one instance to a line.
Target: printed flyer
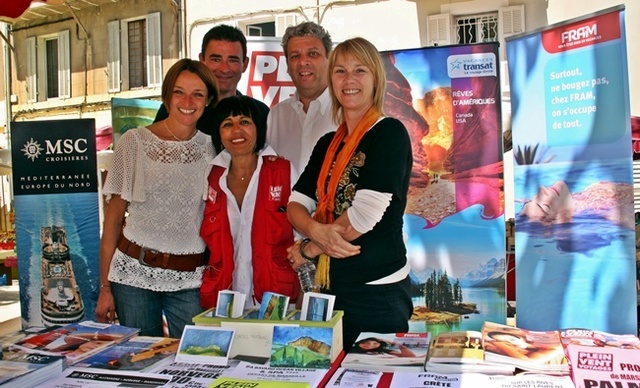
604	367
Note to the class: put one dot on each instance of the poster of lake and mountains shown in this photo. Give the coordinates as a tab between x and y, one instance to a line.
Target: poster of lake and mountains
448	99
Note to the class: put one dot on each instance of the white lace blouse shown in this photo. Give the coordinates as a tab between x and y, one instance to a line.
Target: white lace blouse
165	183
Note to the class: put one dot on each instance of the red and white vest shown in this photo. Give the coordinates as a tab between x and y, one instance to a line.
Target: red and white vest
271	235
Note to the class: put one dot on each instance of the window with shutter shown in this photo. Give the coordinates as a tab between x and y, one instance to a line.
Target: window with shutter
113	56
284	21
64	65
32	84
52	66
154	50
135	53
439	29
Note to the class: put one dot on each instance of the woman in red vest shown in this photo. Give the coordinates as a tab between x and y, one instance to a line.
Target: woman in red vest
245	222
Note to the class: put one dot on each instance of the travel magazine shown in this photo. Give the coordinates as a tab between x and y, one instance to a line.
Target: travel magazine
594	366
24	369
461	352
76	341
139	353
528	350
588	337
388	352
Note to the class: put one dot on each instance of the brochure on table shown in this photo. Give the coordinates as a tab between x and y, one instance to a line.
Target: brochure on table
476	380
88	377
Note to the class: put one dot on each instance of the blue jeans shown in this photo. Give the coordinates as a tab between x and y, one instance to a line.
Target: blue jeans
140	308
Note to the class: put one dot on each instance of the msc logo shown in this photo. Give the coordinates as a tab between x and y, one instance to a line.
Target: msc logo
32	149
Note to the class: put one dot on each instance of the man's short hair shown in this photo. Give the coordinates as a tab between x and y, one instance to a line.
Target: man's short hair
307	29
225	33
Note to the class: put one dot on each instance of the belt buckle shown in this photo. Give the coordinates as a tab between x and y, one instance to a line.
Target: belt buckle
143	252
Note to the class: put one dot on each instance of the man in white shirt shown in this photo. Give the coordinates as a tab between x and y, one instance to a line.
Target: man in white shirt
295	124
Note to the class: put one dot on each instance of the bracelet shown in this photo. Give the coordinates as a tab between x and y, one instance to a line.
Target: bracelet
303	244
105	286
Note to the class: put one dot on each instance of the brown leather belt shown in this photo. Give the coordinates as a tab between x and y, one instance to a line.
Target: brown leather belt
153	258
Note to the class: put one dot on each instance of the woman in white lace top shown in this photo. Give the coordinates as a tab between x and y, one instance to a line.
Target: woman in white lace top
152	263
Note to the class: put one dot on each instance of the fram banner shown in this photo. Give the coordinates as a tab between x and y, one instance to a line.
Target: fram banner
448	99
575	234
57	223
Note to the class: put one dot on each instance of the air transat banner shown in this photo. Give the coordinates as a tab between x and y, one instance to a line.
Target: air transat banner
575	237
448	98
55	188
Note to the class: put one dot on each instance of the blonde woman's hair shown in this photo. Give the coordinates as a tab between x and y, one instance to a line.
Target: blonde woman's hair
365	52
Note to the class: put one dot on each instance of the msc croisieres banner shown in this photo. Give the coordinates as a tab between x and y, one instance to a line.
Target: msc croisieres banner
575	226
57	221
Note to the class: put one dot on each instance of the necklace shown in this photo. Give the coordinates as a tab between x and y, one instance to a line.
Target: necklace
174	135
241	177
236	175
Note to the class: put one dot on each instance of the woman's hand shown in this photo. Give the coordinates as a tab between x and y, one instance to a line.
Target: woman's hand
293	254
106	308
329	239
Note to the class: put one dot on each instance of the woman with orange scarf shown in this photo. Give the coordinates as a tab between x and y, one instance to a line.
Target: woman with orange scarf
350	199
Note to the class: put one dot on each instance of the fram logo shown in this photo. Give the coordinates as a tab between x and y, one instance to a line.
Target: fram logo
583	33
269	81
579	33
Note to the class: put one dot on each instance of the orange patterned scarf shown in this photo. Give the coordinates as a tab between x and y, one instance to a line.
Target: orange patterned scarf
327	190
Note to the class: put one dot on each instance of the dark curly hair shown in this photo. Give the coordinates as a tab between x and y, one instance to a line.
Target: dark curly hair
238	105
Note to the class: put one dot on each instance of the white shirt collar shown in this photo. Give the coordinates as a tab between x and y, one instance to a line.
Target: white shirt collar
324	100
223	159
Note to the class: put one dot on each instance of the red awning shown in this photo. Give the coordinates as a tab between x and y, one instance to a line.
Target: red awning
104	137
14	8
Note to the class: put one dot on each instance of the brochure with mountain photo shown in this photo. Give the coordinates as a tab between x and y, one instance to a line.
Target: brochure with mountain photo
273	306
301	347
205	344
